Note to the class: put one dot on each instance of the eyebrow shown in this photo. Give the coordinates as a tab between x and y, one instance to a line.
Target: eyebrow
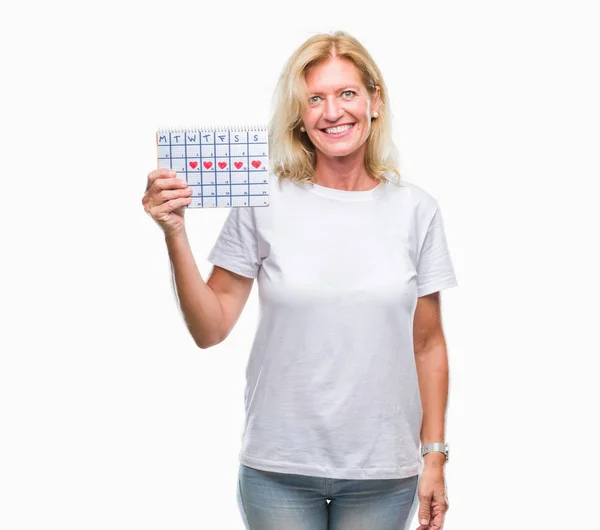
344	87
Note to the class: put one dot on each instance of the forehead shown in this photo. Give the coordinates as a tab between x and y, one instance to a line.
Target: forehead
332	74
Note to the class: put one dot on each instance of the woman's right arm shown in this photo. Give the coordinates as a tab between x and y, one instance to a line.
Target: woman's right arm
210	309
198	302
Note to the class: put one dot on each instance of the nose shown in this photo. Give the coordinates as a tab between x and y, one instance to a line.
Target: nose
332	110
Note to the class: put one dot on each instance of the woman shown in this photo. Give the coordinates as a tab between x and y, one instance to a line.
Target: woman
348	369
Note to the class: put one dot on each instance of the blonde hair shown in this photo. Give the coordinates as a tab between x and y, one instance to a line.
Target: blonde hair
292	154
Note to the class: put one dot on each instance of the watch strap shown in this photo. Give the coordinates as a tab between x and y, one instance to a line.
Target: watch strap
441	447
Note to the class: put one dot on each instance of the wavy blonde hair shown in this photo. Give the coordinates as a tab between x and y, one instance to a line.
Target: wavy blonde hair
292	154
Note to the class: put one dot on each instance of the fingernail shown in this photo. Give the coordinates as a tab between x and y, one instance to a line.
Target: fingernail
423	521
172	172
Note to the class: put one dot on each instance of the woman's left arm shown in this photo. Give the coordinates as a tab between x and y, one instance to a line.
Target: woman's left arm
432	369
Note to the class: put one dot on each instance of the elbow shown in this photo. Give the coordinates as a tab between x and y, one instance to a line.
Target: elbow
203	339
206	342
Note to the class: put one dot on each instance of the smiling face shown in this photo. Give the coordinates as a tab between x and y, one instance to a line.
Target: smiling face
338	114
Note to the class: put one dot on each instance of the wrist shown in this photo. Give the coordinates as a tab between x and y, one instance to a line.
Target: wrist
434	459
175	235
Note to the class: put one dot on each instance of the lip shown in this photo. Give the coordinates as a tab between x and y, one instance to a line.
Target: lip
338	135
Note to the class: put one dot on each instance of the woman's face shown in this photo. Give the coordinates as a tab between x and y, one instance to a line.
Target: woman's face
337	100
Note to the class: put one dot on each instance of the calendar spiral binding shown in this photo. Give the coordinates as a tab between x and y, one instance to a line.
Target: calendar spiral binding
214	128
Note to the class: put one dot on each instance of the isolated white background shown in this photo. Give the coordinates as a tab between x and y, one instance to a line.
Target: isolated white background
111	418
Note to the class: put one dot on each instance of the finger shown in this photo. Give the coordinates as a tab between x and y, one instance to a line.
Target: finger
151	197
169	206
169	195
153	201
169	183
437	522
437	519
424	511
163	172
423	526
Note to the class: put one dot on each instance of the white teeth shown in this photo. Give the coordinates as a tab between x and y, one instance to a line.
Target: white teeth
337	130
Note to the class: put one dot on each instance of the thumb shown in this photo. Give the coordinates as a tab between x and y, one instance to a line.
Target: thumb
424	510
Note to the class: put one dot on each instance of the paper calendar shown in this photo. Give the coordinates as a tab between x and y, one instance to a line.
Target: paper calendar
224	166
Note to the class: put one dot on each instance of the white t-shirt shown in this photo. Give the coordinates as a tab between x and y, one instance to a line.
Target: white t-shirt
331	382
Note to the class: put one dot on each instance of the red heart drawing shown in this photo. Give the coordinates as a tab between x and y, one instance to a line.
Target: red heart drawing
256	163
193	165
238	165
222	164
207	165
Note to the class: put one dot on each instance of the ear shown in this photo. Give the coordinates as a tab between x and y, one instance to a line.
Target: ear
375	100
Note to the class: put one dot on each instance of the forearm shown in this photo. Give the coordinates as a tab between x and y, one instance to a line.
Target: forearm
432	370
198	302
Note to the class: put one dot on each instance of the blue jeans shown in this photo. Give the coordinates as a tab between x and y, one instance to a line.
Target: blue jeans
285	501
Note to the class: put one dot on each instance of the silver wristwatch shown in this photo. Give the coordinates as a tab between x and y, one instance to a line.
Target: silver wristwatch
436	446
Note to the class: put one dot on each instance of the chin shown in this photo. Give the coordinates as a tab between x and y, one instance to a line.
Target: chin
338	152
341	153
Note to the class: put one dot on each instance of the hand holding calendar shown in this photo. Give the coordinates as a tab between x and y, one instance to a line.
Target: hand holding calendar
225	166
165	200
207	167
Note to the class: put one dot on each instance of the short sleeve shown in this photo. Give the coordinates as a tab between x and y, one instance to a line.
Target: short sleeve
434	270
236	248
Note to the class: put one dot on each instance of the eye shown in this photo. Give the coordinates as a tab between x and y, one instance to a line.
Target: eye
312	99
348	92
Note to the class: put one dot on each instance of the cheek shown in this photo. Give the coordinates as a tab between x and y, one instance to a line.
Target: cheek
309	116
364	111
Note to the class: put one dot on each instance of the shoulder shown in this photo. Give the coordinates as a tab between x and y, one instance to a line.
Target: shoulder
421	201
